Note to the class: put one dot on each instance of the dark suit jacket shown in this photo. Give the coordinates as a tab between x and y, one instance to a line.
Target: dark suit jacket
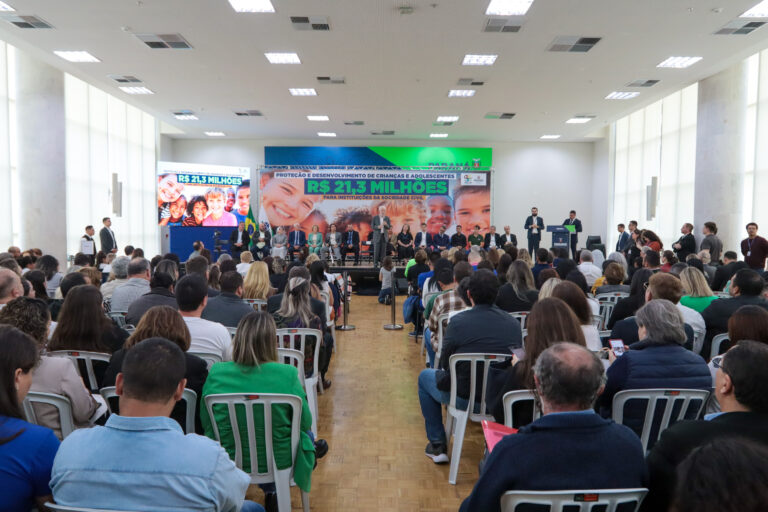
725	272
678	441
233	241
539	222
155	297
719	311
292	238
417	241
496	238
345	239
687	246
560	451
106	240
442	240
624	239
376	226
226	309
512	236
577	223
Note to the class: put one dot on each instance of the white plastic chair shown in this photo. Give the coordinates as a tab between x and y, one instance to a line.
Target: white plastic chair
329	323
87	358
245	403
611	296
60	402
119	318
442	326
520	316
511	398
232	331
310	383
189	396
296	359
456	419
606	310
604	500
717	341
686	398
61	508
257	304
597	321
698	340
209	357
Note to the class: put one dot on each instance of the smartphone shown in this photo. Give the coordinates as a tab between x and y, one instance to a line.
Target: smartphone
617	346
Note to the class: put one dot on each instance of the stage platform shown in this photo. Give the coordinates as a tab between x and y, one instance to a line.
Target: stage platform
365	278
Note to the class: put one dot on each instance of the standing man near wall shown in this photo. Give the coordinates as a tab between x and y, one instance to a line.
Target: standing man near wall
534	224
107	237
380	225
754	248
88	237
573	221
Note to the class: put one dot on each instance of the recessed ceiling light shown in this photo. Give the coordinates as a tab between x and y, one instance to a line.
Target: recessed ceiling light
447	119
758	11
136	90
461	93
76	56
283	58
5	7
679	62
326	134
318	118
580	119
620	95
479	60
252	5
549	137
215	134
508	7
438	135
302	92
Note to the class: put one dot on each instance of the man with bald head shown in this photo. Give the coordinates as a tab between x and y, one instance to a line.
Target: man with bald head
10	286
570	446
15	251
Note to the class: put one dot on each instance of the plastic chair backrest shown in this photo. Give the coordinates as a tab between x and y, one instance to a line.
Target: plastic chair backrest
597	321
118	317
603	500
606	310
687	398
60	402
287	338
520	316
232	331
62	508
189	396
326	298
257	304
246	403
209	357
511	398
87	359
717	341
292	357
611	297
442	326
474	360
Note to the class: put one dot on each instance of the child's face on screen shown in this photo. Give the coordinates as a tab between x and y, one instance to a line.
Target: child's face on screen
474	209
284	201
440	213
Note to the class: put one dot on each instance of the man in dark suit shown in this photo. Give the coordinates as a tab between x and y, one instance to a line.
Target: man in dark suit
441	240
725	272
228	307
746	290
534	225
350	242
623	243
239	240
483	329
380	224
88	236
296	240
459	239
573	221
423	239
741	388
686	244
492	239
107	237
508	237
570	446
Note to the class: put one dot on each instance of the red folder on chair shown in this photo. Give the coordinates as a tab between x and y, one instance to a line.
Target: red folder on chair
494	432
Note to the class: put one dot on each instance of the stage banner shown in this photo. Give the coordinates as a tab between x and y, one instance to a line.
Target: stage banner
194	195
437	186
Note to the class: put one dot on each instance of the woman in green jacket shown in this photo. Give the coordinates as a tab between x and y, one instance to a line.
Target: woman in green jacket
698	295
255	369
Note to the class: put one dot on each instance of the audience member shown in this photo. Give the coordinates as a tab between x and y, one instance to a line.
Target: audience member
160	294
652	260
727	270
26	450
483	328
199	266
93	276
525	256
447	302
569	447
228	307
149	385
206	337
278	276
136	286
246	258
10	264
214	274
118	275
754	248
741	387
588	268
698	296
542	262
10	286
627	306
711	243
612	280
36	278
548	287
519	292
50	267
164	322
571	294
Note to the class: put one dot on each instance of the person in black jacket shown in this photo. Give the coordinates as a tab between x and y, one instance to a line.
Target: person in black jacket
160	294
573	221
228	307
239	240
483	329
627	306
164	322
519	293
459	239
741	387
686	244
107	237
725	272
350	242
492	239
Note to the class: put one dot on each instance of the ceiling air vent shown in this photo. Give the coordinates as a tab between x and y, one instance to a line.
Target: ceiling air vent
336	80
499	115
124	79
248	113
642	83
445	123
573	44
469	81
501	25
384	132
25	21
354	123
310	23
164	41
740	27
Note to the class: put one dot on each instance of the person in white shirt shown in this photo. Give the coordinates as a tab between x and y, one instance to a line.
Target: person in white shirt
207	337
136	286
423	239
246	258
586	267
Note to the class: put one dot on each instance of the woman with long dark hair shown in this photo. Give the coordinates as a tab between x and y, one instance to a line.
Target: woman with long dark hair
26	450
36	278
50	267
405	243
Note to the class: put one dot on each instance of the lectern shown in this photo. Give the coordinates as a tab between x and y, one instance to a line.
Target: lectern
561	237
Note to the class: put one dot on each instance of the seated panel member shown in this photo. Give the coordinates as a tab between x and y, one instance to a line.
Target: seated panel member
459	239
424	239
508	237
350	243
475	239
441	241
297	239
492	239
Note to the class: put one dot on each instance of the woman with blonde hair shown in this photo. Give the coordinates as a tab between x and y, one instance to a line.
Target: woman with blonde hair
93	274
548	287
698	295
526	257
246	258
256	284
311	259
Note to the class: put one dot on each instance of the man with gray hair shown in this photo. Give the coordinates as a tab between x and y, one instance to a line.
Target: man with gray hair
588	268
118	276
136	286
569	447
10	286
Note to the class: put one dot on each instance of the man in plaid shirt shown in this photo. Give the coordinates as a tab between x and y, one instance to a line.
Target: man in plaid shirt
446	302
